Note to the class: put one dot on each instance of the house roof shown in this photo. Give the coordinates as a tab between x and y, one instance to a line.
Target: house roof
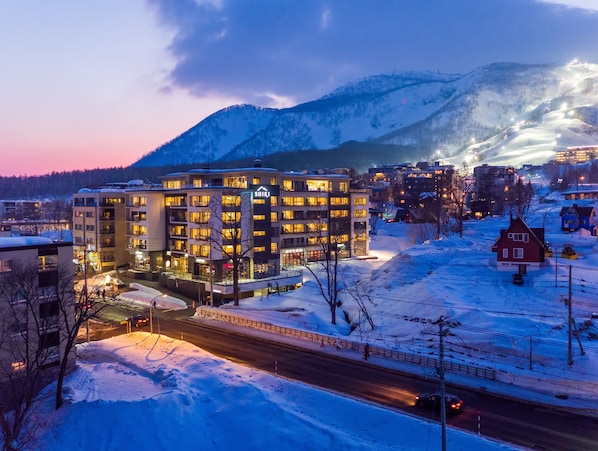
584	212
536	234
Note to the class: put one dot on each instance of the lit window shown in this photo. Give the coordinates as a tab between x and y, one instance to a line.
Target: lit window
231	201
18	366
5	266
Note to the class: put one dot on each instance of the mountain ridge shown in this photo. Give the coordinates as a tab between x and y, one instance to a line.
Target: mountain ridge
484	116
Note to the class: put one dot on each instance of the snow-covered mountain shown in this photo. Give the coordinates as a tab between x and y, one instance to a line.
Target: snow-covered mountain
497	114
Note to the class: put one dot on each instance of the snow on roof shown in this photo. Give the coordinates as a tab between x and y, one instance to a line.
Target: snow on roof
21	241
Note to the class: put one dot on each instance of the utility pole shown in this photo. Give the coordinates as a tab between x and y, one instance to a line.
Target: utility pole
442	387
569	320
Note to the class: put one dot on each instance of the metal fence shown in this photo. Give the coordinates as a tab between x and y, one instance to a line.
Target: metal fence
328	340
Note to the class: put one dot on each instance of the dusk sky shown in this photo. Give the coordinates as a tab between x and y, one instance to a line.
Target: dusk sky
93	84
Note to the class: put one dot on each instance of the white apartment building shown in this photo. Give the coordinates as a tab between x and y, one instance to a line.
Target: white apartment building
32	272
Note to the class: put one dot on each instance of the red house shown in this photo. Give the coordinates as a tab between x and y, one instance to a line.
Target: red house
520	247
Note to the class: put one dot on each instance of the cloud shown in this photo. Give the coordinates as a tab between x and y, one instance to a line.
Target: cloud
267	50
582	4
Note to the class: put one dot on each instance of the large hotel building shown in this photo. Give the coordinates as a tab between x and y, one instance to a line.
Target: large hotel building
192	223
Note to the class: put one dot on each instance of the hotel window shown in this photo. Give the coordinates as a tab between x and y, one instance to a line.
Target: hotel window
360	201
343	187
273	216
273	201
317	185
200	201
359	213
231	234
259	201
259	249
317	227
339	214
228	249
231	216
293	201
200	250
172	184
339	201
138	201
231	201
201	217
273	248
293	228
175	201
273	180
287	185
315	240
259	217
235	182
256	181
259	233
317	201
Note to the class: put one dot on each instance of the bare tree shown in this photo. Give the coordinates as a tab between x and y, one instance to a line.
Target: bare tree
73	313
29	347
229	237
519	199
324	265
461	187
359	291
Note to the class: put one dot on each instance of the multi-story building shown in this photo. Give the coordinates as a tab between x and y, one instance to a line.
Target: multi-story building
492	186
33	271
426	181
196	223
99	238
576	154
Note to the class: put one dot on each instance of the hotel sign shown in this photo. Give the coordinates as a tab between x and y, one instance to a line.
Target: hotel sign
264	191
261	193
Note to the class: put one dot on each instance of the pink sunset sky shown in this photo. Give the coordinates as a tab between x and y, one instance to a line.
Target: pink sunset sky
94	84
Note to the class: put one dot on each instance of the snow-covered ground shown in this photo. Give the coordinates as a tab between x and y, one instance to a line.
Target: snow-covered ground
412	284
141	390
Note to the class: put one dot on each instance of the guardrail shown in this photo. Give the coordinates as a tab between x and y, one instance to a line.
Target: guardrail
328	340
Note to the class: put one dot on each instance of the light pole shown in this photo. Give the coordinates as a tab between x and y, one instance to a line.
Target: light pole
152	305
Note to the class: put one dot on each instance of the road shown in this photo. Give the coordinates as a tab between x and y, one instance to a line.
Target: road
515	422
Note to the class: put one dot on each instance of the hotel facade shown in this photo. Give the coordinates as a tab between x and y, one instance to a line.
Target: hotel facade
273	222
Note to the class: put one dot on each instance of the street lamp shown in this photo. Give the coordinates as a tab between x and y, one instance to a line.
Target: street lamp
152	305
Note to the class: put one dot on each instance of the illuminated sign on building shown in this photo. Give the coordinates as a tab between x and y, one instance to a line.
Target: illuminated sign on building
261	193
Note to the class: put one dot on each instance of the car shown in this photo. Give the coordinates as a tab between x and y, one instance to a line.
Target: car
138	320
517	279
432	401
